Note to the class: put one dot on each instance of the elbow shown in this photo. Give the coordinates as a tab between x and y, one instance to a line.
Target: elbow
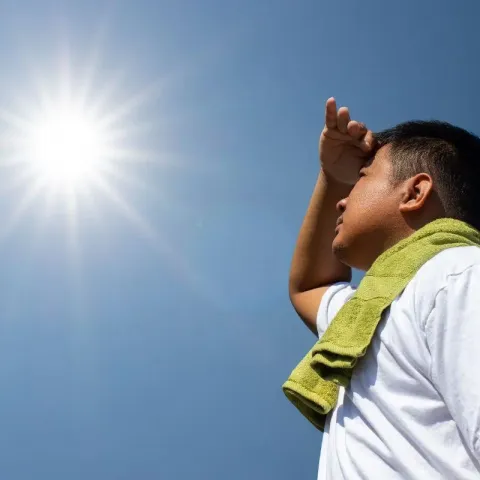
294	289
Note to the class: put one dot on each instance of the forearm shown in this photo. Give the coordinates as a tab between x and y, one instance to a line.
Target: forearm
313	264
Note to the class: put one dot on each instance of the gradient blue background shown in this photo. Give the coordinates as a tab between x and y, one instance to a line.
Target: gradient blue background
156	348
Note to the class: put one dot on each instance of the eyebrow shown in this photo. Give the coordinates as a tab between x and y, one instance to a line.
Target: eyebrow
368	161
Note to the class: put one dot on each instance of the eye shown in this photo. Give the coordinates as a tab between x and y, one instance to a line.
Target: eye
361	173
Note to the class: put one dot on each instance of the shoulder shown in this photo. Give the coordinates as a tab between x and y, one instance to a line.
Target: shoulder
332	301
460	264
434	275
454	265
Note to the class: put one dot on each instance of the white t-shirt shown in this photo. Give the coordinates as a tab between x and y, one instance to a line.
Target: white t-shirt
412	409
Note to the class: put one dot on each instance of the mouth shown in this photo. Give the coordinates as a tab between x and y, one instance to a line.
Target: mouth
338	224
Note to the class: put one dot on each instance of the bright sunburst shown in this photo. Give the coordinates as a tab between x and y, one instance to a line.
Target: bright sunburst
71	142
66	145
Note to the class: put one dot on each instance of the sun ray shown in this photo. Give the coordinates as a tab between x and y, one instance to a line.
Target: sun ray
129	155
21	181
112	172
134	102
59	146
72	233
25	202
159	244
93	63
76	145
13	120
106	92
126	210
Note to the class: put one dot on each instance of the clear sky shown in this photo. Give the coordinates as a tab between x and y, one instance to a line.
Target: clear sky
145	326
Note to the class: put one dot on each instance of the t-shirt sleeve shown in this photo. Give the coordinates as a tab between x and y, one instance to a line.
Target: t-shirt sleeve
332	301
453	332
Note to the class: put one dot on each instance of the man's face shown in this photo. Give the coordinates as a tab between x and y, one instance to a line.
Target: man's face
369	215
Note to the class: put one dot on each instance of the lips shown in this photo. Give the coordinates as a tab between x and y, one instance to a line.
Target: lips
337	225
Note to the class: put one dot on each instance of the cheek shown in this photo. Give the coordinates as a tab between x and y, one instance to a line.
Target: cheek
370	204
376	190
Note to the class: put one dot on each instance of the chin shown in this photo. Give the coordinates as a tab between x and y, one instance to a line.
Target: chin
340	250
345	255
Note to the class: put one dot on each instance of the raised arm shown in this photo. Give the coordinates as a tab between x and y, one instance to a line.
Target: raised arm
344	145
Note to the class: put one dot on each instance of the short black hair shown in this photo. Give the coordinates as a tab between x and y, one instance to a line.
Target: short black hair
451	155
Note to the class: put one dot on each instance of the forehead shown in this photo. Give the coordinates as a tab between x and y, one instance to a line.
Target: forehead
380	161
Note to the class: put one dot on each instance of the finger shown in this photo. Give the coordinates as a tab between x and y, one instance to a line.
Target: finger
356	129
343	117
368	142
331	113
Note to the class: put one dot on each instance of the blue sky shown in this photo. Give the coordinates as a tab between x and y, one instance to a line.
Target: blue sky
147	334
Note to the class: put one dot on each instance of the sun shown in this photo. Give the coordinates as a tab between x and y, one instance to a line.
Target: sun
66	145
75	146
78	146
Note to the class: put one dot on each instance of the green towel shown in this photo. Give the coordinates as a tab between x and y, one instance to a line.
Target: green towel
313	386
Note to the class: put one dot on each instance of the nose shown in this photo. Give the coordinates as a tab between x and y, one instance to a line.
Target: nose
342	205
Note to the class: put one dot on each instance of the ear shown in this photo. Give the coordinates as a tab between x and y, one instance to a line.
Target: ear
416	192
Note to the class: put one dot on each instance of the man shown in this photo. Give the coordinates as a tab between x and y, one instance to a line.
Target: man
412	408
